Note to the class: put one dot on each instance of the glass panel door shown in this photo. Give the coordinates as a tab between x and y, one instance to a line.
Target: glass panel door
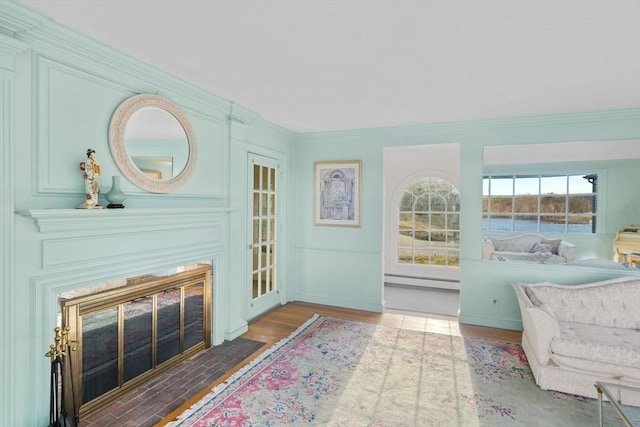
263	211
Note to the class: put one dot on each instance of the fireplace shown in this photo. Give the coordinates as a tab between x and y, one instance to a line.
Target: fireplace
130	331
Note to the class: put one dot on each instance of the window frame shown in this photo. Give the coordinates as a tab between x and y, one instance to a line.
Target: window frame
429	212
539	173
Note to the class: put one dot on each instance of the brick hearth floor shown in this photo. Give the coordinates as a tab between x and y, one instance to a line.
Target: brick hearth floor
150	403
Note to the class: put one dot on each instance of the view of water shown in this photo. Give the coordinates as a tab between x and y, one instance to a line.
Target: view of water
504	224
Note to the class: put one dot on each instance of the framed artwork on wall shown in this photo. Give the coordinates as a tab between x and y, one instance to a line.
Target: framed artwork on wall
337	193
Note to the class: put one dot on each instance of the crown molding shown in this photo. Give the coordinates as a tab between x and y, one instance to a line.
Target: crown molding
243	116
10	48
52	39
16	17
65	44
450	131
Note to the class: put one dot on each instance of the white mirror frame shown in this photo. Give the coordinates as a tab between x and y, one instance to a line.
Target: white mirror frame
122	159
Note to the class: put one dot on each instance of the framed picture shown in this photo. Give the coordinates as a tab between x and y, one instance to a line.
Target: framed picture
337	193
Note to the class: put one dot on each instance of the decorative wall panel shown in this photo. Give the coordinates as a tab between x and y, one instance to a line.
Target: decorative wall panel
9	49
73	110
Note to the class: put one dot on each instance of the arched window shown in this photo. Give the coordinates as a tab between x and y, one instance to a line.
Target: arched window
429	224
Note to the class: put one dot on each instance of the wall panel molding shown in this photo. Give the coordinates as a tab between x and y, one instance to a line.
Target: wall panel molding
54	251
339	277
9	49
45	72
353	303
333	251
53	80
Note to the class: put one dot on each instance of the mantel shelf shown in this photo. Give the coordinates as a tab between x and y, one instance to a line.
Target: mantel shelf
69	220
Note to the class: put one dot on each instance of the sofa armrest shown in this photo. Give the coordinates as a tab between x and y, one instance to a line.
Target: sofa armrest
538	322
541	327
487	248
566	250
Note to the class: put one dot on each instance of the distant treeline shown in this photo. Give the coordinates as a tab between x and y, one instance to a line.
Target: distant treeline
549	205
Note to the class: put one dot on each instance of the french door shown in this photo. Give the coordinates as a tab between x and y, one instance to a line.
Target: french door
264	202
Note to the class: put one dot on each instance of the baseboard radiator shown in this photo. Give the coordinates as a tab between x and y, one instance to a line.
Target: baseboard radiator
427	282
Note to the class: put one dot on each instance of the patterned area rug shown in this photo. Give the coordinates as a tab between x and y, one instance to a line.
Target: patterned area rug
343	373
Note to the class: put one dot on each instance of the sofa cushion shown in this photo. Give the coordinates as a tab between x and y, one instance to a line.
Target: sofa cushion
542	248
542	257
554	244
614	303
616	346
520	243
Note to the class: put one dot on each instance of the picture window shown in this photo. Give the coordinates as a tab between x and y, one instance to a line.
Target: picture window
540	203
429	224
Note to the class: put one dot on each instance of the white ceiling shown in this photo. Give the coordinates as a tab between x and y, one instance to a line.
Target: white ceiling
312	65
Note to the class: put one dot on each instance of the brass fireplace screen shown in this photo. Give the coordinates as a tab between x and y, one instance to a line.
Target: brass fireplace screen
128	335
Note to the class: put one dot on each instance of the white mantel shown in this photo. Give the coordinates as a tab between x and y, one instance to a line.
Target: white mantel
74	248
70	249
61	220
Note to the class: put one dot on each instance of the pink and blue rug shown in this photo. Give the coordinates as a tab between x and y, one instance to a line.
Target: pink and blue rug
335	372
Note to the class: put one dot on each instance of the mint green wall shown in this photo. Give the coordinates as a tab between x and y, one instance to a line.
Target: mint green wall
58	90
9	375
344	266
338	265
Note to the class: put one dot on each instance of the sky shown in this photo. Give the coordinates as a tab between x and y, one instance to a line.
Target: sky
504	186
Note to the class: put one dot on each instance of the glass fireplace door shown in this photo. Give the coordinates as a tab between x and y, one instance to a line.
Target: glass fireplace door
128	335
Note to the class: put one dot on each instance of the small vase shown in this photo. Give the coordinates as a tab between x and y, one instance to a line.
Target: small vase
115	196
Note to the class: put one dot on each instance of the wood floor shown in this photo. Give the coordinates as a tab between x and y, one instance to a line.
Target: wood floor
281	322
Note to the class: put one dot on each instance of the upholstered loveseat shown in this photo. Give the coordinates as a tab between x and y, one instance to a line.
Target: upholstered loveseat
527	247
576	335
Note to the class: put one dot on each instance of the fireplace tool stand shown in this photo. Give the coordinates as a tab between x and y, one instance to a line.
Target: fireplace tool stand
60	354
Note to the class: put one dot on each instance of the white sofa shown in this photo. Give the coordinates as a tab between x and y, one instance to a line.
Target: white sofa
576	335
527	247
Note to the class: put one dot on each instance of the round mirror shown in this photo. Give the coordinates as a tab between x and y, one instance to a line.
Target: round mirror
152	143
